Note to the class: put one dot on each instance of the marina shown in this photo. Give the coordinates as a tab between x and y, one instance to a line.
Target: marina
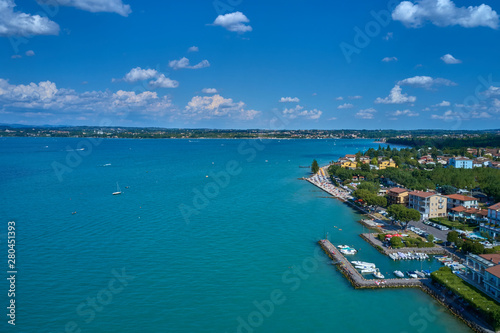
357	279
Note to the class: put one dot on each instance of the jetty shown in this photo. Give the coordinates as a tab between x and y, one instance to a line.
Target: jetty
356	279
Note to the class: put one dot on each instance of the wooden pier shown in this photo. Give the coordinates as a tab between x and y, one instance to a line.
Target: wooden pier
356	279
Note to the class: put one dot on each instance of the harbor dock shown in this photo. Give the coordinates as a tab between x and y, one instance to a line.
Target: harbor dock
356	279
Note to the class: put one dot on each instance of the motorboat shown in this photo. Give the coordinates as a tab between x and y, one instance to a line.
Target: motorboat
348	251
362	263
399	274
377	274
412	274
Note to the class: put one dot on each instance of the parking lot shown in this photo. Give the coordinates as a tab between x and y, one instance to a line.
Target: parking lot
428	229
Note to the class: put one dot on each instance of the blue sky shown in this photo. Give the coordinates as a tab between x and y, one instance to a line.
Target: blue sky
251	64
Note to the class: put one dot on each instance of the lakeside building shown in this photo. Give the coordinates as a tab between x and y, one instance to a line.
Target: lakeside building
493	225
349	165
457	200
443	160
387	164
428	204
351	157
461	162
470	215
481	162
397	196
484	272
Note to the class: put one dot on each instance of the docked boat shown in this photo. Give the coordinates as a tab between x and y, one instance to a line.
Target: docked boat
362	263
367	270
348	251
377	274
399	274
412	274
420	274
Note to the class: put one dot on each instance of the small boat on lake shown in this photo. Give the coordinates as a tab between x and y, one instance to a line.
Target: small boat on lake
377	274
362	263
412	274
118	191
399	274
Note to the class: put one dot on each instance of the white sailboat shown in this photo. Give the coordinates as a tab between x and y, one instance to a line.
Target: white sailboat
118	191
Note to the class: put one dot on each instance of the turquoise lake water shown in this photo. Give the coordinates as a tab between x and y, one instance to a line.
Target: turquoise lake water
178	251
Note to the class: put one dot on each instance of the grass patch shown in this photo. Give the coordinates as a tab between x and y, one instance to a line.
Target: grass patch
454	224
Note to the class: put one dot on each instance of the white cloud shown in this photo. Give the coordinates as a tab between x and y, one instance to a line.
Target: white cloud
46	96
366	113
443	103
407	113
496	103
209	91
233	22
30	53
396	97
345	106
444	13
448	115
163	82
139	74
480	115
340	98
450	60
355	97
389	59
389	35
16	56
426	82
216	106
94	6
289	100
193	49
14	23
184	63
299	112
491	91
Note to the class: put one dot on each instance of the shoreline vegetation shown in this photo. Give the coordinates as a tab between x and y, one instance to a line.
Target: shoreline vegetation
404	137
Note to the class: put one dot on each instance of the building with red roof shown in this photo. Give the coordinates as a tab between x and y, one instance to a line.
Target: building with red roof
493	225
456	200
428	204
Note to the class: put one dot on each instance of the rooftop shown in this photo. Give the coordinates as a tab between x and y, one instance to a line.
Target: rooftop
460	197
495	270
495	206
422	194
397	190
493	257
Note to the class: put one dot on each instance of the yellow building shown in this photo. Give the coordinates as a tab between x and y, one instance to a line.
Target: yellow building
349	165
387	164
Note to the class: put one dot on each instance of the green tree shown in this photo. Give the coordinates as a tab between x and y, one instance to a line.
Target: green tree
396	242
430	238
452	236
365	167
374	161
315	167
